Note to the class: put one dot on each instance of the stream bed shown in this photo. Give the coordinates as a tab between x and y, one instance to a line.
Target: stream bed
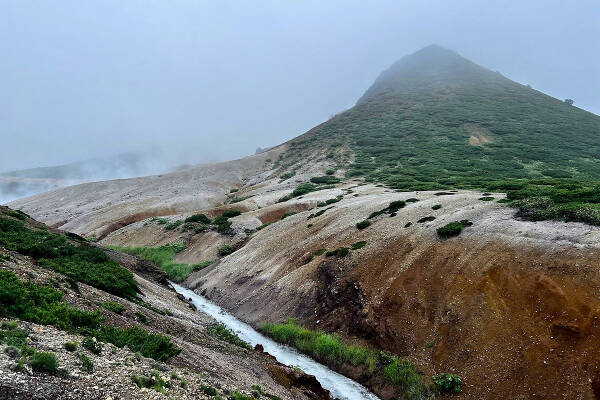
338	385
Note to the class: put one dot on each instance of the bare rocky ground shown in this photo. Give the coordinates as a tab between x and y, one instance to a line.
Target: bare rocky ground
509	305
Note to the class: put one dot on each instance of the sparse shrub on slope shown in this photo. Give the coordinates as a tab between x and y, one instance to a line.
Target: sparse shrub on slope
363	224
201	218
453	228
227	335
225	250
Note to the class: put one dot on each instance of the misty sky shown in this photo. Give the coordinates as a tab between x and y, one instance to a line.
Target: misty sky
214	80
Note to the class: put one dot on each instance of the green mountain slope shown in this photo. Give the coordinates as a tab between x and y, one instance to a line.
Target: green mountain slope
436	120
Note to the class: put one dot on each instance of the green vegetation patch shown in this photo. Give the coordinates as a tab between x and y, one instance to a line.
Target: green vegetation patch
326	179
113	306
436	207
225	250
221	332
330	349
486	198
201	218
339	252
359	245
45	306
363	224
163	257
81	262
300	190
453	228
447	383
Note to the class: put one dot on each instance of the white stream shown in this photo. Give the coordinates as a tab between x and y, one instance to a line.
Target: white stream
339	386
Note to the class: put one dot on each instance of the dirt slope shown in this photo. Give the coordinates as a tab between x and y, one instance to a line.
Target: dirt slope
511	306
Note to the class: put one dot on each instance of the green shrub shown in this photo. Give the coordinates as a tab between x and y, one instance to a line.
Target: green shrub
113	306
221	332
426	219
208	390
93	345
359	245
233	190
303	189
141	317
86	364
201	218
447	383
71	346
486	198
201	265
82	262
44	362
138	340
330	172
453	228
396	205
436	207
339	252
326	179
173	225
412	200
231	213
319	252
363	224
235	395
225	250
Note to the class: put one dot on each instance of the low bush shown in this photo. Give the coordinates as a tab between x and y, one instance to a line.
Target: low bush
113	306
330	172
447	383
436	207
221	332
319	252
92	344
201	218
70	346
141	317
225	250
231	213
326	179
363	224
139	340
453	228
359	245
396	205
339	252
86	363
44	362
287	175
412	200
287	214
173	225
426	219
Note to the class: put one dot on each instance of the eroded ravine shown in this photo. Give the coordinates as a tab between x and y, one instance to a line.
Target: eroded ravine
340	386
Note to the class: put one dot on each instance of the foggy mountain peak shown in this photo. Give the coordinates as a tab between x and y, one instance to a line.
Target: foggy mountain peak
433	66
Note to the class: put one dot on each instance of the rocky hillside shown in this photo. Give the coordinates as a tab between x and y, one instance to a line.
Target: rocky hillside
446	228
67	333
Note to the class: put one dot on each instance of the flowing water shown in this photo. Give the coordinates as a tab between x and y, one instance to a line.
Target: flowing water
339	386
